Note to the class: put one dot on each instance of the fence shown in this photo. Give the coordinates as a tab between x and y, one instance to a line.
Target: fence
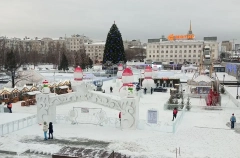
13	126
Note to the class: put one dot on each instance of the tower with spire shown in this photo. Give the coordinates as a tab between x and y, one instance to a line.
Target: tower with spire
190	33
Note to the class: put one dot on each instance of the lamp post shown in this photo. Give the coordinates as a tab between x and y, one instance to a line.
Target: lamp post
237	89
223	79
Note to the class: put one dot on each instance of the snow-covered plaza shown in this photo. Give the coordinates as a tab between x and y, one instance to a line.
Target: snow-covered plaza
198	133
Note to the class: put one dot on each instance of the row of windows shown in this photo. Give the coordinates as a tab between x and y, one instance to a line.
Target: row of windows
179	60
176	46
180	51
175	56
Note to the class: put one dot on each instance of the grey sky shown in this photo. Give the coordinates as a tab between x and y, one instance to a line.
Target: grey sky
136	19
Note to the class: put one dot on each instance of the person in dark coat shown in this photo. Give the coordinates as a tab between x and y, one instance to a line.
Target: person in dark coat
175	111
151	90
9	106
232	120
145	90
50	130
111	89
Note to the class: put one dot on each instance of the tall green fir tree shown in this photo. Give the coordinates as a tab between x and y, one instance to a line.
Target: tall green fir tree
114	49
64	63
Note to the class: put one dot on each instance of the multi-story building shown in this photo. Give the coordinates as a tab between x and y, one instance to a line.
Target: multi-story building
227	45
75	42
128	44
95	51
178	51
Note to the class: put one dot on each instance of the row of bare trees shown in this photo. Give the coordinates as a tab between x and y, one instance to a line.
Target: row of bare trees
11	59
135	54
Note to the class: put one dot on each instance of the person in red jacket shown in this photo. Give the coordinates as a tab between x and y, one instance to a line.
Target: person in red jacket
175	111
9	106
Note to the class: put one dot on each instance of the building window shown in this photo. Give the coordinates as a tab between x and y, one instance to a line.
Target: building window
185	51
157	51
194	51
153	55
157	46
149	51
180	46
175	46
185	46
149	55
171	51
180	59
199	51
153	51
166	55
180	55
199	46
198	55
171	56
194	55
189	55
171	46
213	50
162	56
175	51
194	46
157	55
166	51
162	51
180	51
189	51
150	46
190	46
162	46
213	44
153	46
166	46
184	55
175	55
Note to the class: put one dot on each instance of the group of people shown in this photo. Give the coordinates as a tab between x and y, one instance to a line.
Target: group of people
145	90
48	129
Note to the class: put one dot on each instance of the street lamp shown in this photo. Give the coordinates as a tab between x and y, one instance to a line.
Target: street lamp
223	78
237	89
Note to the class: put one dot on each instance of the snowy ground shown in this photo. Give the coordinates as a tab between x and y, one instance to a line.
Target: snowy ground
201	134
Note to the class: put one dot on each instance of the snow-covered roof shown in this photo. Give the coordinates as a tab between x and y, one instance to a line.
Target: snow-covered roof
204	78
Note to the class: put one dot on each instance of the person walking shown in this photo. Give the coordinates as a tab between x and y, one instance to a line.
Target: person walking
120	116
50	130
145	90
9	106
232	120
45	129
151	90
111	89
175	111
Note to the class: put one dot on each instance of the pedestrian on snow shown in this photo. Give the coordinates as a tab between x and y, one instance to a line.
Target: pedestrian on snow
45	129
232	120
50	130
120	116
151	90
111	89
175	111
145	90
9	106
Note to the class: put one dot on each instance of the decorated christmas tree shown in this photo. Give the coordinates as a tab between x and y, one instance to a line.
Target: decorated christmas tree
114	50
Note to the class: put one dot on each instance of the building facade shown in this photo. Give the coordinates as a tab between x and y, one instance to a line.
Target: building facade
178	50
95	51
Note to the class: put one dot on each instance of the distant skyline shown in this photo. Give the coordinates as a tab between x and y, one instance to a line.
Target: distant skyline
142	19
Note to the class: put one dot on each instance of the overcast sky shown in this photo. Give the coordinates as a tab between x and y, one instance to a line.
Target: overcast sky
136	19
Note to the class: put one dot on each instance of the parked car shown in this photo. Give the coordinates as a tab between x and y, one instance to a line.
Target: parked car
160	89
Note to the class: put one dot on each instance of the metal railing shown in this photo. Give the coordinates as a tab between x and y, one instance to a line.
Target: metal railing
13	126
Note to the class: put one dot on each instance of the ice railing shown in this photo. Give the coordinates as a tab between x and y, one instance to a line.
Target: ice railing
16	125
178	121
